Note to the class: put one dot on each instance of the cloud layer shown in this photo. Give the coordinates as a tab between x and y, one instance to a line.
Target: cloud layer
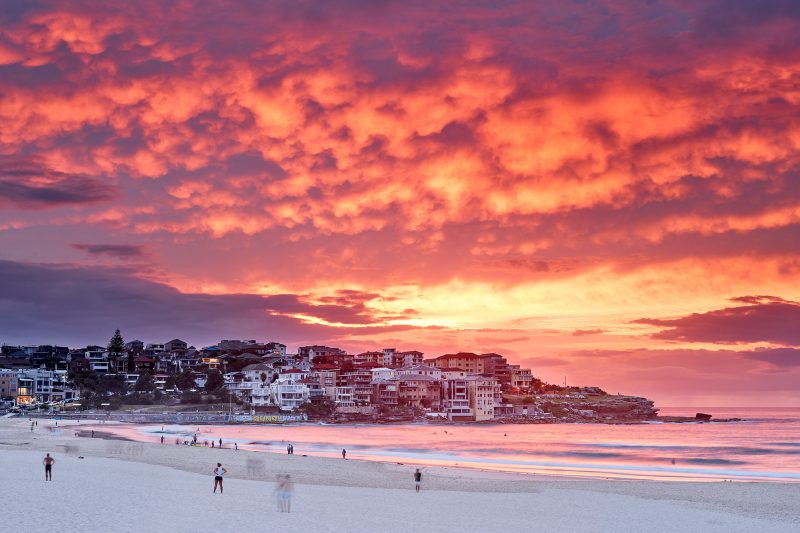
530	178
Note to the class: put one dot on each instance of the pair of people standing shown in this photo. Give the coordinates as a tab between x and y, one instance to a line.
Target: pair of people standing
290	449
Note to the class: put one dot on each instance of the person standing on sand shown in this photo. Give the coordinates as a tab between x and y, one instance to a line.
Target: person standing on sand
162	439
280	486
48	463
288	488
218	473
236	446
418	479
344	453
220	442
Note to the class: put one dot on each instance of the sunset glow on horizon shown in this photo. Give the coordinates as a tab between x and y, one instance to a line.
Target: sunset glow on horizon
608	190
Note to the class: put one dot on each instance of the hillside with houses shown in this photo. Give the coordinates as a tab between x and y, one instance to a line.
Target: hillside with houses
315	383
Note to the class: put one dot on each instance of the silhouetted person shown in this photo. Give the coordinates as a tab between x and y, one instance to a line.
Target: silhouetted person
344	453
418	479
48	463
220	442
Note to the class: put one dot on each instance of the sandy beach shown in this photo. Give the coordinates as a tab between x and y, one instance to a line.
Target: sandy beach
113	485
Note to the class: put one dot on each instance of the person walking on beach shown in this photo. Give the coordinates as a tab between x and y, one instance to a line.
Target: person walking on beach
162	439
236	446
218	473
220	442
418	479
48	463
344	453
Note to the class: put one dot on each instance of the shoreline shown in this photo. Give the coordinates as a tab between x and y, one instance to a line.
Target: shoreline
773	503
133	417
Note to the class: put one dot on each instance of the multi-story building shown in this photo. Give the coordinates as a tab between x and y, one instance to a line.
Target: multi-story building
483	394
8	385
521	378
368	357
360	380
420	391
289	395
26	390
35	385
455	399
497	366
135	346
385	393
469	362
175	346
393	359
292	375
310	352
383	373
275	348
343	396
153	349
419	370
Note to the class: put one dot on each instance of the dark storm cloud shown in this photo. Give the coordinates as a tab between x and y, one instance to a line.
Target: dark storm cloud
72	305
774	321
114	250
27	184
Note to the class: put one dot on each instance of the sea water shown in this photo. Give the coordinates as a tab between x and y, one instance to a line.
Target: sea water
765	446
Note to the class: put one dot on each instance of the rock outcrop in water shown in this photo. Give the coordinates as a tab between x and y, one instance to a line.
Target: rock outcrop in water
588	404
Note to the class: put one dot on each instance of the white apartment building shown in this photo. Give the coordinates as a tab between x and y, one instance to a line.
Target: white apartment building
288	396
419	370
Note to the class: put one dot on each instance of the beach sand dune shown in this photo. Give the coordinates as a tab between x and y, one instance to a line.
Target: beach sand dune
123	486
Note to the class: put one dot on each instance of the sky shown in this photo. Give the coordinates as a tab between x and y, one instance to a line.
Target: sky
607	191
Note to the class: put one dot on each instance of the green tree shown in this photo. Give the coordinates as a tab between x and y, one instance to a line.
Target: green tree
86	381
111	385
215	381
116	346
145	383
185	380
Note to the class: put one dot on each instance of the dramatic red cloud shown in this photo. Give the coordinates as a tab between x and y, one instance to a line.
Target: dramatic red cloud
526	178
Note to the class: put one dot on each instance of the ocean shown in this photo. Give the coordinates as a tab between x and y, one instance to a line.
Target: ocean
763	447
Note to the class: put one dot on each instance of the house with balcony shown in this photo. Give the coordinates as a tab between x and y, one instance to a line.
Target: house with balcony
289	395
420	391
456	400
385	393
